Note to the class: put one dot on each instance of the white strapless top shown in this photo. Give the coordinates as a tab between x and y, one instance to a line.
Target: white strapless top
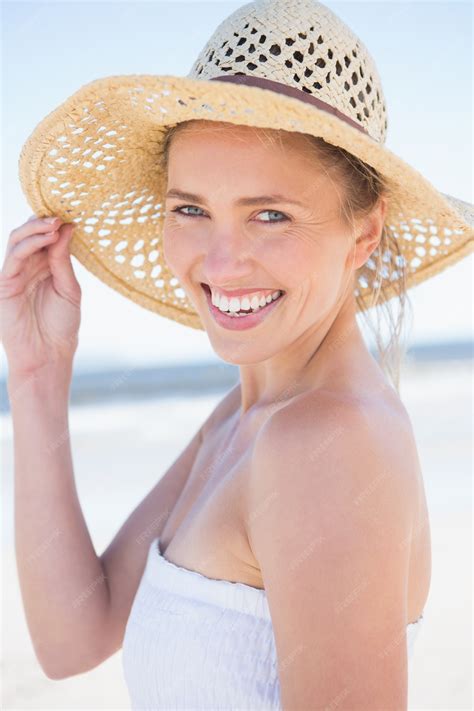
193	642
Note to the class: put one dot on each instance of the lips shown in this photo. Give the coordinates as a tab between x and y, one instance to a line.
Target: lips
236	323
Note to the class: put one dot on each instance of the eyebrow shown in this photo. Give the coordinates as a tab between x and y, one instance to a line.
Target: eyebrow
257	200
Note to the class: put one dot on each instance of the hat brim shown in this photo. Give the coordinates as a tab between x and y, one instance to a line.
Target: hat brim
97	152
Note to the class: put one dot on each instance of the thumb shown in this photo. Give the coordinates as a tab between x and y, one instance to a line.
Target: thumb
59	258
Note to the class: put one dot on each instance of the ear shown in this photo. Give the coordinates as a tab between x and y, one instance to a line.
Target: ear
369	233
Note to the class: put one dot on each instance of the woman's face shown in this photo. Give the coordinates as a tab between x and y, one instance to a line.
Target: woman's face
216	236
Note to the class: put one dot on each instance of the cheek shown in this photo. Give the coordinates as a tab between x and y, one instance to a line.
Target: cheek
293	259
179	249
311	265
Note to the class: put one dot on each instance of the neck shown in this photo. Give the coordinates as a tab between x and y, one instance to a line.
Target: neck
308	362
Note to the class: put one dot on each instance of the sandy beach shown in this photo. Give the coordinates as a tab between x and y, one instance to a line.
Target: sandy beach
119	452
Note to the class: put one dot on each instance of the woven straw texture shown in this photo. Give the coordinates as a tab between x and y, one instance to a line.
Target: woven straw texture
95	159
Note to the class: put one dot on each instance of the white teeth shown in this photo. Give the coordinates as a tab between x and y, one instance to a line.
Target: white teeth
223	303
234	304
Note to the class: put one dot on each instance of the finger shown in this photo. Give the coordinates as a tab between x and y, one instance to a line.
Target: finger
36	225
34	216
15	258
59	258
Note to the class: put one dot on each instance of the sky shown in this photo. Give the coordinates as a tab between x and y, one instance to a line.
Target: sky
423	51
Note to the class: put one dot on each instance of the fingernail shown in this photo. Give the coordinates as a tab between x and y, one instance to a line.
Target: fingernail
50	219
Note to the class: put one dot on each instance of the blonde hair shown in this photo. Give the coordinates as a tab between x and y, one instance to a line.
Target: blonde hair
362	188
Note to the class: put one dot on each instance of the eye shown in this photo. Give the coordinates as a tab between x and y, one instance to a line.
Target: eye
275	212
182	207
194	207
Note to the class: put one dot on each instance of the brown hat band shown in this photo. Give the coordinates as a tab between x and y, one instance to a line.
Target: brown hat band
289	91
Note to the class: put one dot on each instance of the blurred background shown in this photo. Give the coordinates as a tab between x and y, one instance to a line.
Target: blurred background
143	384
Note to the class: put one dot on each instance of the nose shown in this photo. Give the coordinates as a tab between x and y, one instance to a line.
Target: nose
227	260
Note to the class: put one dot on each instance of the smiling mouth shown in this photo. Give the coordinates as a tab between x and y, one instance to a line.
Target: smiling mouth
242	312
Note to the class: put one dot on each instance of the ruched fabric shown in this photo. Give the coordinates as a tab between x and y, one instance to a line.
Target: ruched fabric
193	642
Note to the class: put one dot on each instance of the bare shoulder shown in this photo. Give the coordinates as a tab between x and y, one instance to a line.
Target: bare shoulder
314	410
340	449
318	419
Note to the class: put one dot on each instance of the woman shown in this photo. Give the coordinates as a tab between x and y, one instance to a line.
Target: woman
283	561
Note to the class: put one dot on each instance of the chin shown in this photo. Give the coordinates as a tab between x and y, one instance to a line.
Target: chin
238	353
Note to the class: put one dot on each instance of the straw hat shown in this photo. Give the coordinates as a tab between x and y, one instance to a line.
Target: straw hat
281	64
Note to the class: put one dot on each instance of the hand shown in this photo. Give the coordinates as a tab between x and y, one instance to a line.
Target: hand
40	297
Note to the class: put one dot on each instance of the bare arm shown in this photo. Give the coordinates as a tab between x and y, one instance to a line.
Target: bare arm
343	516
61	578
76	602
